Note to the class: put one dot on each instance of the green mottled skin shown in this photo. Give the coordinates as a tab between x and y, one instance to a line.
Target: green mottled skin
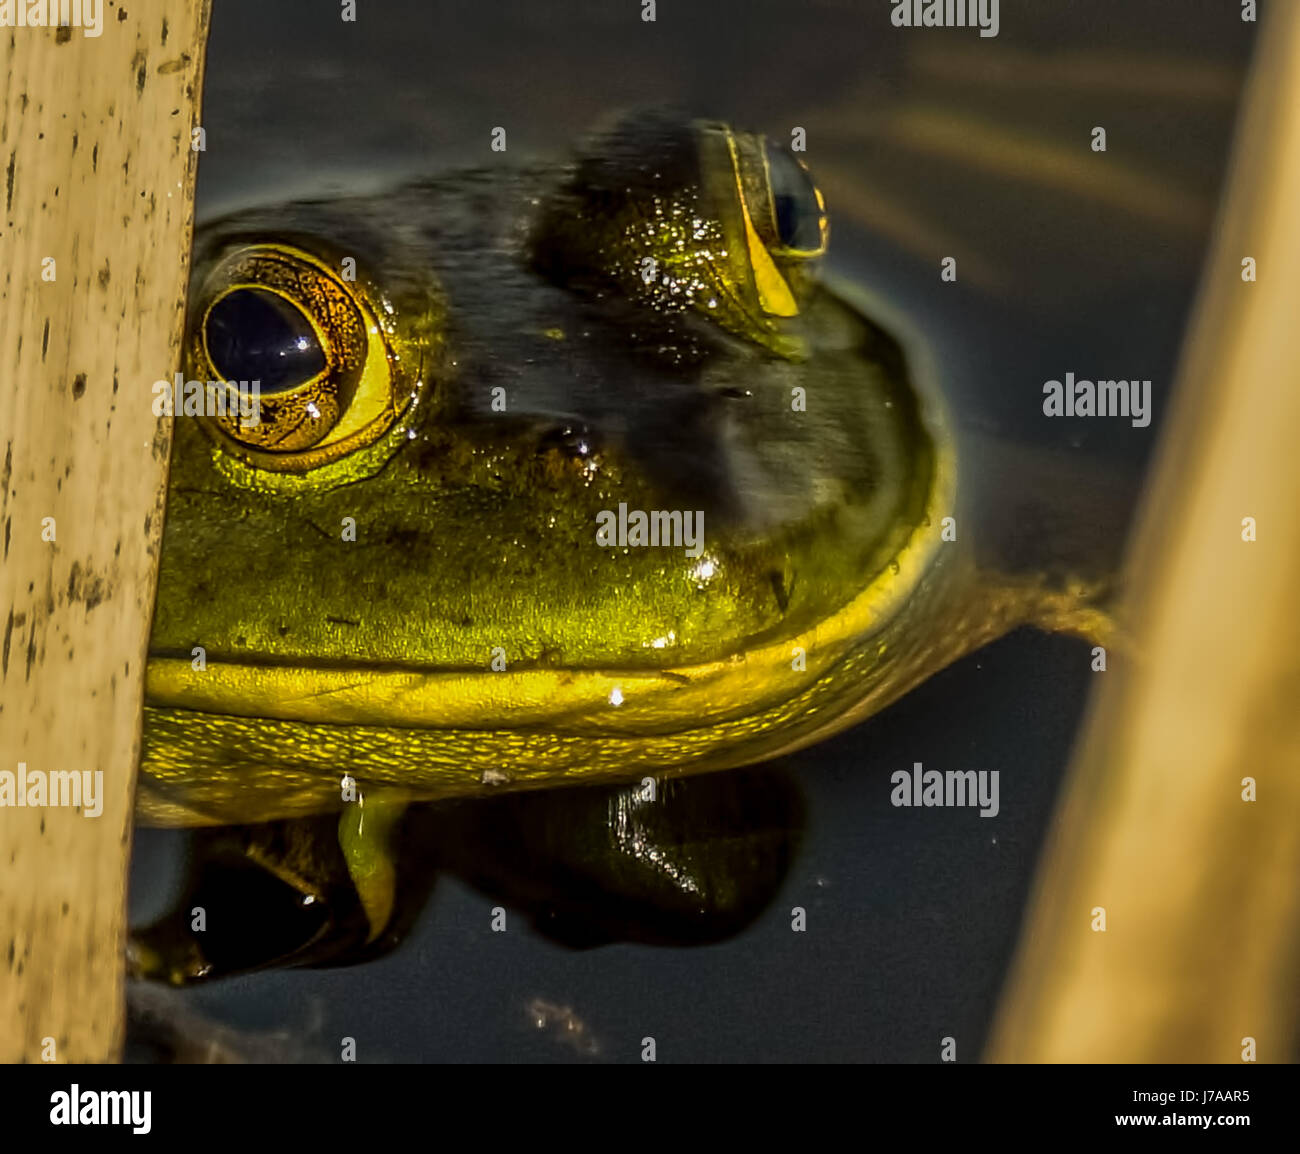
471	533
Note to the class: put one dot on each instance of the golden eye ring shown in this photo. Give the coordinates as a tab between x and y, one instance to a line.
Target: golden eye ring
317	417
774	221
782	200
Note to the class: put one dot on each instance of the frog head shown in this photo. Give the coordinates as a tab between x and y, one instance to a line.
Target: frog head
553	473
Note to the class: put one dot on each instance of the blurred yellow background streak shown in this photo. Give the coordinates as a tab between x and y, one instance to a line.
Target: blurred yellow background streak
1199	886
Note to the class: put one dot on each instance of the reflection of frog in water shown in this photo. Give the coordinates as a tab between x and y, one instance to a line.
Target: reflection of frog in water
390	589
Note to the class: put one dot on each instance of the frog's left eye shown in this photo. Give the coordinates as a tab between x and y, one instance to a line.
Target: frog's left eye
305	351
788	209
769	209
690	215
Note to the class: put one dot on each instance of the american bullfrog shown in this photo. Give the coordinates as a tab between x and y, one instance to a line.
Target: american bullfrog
562	475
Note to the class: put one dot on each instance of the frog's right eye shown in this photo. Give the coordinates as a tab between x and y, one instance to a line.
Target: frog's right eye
280	324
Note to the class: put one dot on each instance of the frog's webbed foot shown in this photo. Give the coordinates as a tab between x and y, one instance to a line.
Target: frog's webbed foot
1078	607
674	861
1049	527
304	891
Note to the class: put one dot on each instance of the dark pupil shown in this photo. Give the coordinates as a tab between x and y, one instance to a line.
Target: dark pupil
257	336
795	201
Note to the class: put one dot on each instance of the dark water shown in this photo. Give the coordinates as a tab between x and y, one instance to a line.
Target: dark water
1067	262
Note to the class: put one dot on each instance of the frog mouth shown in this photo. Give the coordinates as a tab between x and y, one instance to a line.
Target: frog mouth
558	700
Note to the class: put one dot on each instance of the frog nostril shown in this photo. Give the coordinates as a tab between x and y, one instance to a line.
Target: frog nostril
574	439
782	586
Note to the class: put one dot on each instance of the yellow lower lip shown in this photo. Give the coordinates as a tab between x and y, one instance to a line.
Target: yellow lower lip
563	701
